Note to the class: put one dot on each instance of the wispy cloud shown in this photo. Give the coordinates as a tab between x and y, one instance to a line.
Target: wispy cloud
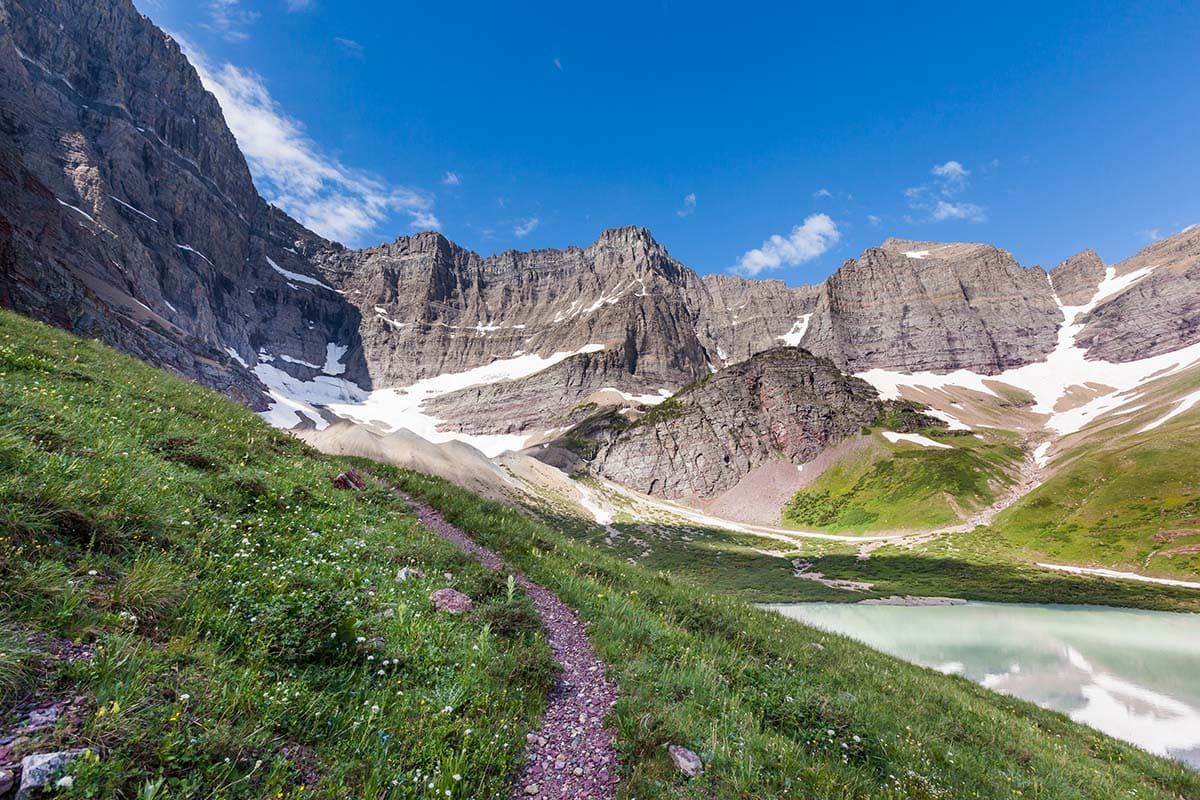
527	227
950	179
558	63
821	194
943	210
874	220
336	201
807	241
689	205
350	46
229	19
300	5
451	179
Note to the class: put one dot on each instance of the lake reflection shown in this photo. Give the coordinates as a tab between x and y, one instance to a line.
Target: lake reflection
1133	674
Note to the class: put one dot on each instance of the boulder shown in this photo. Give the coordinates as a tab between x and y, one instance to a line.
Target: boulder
686	761
37	769
451	601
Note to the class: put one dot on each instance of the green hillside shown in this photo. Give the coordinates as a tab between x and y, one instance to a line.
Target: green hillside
904	486
219	621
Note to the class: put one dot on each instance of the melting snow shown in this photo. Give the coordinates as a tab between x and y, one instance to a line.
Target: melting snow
588	499
952	421
190	249
1181	407
914	438
234	355
1112	573
792	338
641	399
90	218
333	359
299	361
1066	366
1040	454
134	210
400	407
296	276
917	254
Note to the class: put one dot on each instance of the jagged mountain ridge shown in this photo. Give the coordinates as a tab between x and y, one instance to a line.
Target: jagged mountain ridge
127	213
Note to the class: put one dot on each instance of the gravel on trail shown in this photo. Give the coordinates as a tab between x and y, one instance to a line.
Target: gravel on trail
572	756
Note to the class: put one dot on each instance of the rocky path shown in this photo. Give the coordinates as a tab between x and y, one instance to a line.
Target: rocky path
572	756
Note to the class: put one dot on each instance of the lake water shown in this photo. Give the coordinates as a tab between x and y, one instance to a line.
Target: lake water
1133	674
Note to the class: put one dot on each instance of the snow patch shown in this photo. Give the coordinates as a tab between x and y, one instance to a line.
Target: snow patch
90	218
792	338
914	438
601	513
296	276
1181	407
189	249
1066	366
919	255
1112	573
299	361
134	210
333	359
1040	454
641	399
396	408
236	357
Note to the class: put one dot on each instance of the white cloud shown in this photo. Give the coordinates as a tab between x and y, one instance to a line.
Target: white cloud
689	205
525	228
807	241
350	46
228	18
558	64
299	5
951	179
1153	234
334	200
451	179
968	211
874	220
952	176
820	194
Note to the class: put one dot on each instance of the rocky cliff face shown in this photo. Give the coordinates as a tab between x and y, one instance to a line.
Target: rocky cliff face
783	403
914	306
127	212
1159	313
1075	280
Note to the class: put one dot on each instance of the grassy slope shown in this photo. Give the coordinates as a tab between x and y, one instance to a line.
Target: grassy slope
202	554
905	486
770	712
252	581
1123	499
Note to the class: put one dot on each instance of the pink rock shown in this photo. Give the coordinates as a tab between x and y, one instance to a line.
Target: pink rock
688	762
451	601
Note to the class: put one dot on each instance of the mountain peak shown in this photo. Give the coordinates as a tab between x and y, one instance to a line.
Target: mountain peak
626	236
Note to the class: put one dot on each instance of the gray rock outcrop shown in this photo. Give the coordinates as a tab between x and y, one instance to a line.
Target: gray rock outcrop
1159	313
783	403
914	306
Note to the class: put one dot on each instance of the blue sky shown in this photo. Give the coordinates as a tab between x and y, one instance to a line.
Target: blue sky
1043	128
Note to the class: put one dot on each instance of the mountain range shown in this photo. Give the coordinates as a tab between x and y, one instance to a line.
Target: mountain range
128	214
